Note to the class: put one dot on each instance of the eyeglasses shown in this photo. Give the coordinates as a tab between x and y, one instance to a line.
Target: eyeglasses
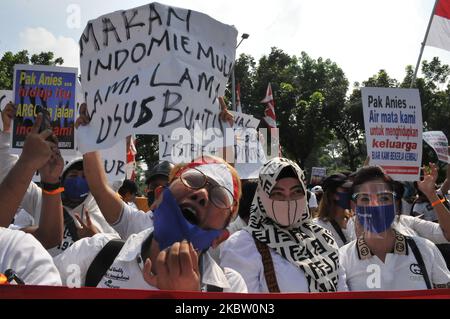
381	198
220	196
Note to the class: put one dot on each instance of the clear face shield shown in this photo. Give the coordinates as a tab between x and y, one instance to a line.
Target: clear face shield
375	208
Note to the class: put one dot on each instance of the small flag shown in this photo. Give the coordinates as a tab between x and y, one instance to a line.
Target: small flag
439	33
269	112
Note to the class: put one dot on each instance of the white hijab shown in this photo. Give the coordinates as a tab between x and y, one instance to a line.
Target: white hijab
304	244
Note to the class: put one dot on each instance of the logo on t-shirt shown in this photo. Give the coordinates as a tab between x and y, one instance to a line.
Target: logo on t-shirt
415	269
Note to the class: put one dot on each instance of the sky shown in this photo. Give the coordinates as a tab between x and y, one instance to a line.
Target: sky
361	36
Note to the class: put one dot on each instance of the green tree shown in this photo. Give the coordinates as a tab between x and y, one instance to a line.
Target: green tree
9	59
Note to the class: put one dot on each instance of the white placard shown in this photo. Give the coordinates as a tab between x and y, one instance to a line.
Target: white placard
438	141
113	160
152	69
393	124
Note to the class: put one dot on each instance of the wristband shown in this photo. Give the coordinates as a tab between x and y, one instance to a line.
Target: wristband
439	201
54	192
50	186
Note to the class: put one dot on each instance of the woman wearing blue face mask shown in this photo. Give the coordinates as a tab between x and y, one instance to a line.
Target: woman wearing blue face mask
334	209
383	258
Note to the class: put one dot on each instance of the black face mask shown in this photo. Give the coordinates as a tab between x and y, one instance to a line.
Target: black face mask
150	197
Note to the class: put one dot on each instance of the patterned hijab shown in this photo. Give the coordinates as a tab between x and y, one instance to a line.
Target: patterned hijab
304	244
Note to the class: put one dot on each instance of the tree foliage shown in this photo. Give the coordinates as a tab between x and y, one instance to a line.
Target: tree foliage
9	59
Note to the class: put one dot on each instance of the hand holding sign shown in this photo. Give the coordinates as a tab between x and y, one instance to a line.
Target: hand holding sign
51	171
36	150
8	114
83	119
430	175
225	115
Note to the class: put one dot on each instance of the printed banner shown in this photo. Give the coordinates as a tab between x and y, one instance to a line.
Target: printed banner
318	174
152	69
393	124
6	96
438	141
46	89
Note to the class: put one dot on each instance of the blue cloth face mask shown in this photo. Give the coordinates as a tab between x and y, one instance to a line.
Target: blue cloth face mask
344	200
376	219
76	188
170	226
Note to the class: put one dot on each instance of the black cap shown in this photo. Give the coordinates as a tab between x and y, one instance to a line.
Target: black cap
161	169
334	181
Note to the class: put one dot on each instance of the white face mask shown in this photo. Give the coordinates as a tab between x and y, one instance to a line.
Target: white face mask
283	212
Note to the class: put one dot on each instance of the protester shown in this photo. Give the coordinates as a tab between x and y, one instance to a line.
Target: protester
77	201
318	191
49	229
334	209
157	176
248	193
128	192
422	207
438	233
383	258
22	257
192	212
281	250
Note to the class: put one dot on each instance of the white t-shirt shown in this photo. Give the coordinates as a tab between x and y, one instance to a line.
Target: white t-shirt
32	202
349	232
25	255
239	252
413	226
126	270
132	221
426	210
399	271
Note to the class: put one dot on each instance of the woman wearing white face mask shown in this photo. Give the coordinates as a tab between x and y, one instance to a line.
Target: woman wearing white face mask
281	250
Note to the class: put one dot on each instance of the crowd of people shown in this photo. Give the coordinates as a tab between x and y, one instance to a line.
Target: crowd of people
205	229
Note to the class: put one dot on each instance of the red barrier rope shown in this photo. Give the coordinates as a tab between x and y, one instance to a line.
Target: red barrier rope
46	292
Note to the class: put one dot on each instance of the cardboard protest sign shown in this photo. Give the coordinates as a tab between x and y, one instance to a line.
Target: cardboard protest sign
248	155
39	88
438	141
318	174
393	124
113	159
5	98
152	69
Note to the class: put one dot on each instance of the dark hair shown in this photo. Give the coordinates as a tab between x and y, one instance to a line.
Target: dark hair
128	186
78	165
248	193
371	173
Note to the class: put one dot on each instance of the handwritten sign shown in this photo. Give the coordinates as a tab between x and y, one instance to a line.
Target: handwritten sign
6	96
38	87
438	141
393	124
113	159
249	156
152	69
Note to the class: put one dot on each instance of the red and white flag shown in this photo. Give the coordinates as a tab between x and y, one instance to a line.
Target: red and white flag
131	159
238	98
269	112
439	33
